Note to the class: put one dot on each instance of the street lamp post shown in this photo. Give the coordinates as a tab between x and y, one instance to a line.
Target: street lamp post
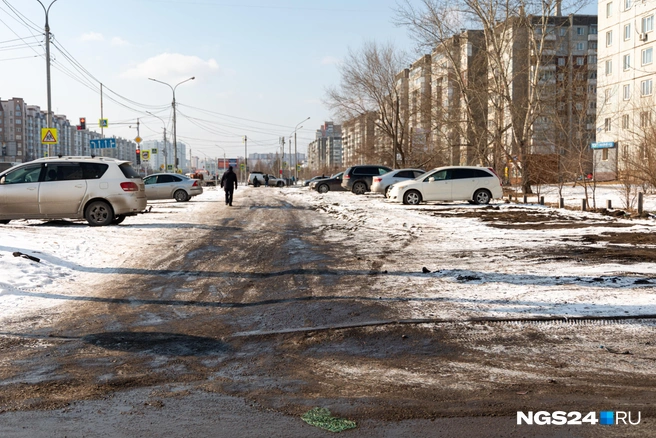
296	149
175	139
47	29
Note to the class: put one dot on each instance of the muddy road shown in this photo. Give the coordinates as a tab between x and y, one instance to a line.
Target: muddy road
277	304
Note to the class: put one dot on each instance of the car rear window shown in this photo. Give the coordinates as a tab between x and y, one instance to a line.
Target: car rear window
94	170
128	171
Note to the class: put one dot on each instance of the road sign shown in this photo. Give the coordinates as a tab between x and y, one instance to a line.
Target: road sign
153	151
169	167
145	155
103	143
103	123
138	139
603	145
49	136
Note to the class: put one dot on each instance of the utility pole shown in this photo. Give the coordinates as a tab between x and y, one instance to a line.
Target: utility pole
282	161
166	167
47	29
245	157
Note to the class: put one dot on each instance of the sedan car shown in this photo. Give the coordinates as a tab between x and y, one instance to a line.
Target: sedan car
455	183
325	185
171	186
382	183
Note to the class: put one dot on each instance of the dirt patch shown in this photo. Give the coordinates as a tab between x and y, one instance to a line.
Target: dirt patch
523	219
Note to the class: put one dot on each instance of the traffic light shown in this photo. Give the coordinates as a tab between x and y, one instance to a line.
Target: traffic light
138	156
83	123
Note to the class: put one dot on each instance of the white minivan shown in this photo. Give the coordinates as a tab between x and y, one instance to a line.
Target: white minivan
101	190
454	183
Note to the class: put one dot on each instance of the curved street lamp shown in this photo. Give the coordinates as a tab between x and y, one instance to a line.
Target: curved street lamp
175	139
295	148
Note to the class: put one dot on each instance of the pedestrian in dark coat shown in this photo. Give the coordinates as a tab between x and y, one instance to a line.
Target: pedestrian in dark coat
266	180
229	184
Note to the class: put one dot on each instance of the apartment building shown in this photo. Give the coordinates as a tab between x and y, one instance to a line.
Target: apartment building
358	140
325	152
626	76
20	135
419	111
459	100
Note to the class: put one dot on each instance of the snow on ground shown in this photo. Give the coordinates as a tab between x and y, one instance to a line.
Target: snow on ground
476	269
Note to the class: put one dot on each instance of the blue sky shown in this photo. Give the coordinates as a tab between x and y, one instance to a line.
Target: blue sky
261	66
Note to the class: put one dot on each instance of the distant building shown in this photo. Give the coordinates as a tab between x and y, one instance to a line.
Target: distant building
325	152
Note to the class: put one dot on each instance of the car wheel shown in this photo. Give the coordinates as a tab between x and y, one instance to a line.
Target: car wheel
181	196
323	188
482	196
387	190
280	184
412	197
4	221
99	214
118	219
359	188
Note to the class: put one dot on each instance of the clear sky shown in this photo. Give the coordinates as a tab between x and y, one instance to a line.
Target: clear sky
261	66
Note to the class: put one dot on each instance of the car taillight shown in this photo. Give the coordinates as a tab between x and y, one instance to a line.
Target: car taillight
347	177
129	187
494	172
377	179
195	184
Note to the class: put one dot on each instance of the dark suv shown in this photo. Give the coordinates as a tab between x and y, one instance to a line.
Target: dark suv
358	179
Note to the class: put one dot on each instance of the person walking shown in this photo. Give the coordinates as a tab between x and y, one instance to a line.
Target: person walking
266	180
229	184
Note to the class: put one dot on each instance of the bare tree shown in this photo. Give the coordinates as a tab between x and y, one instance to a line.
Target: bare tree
517	47
369	83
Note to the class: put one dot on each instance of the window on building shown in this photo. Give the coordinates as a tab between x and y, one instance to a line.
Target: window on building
579	106
609	9
604	154
607	95
645	119
647	24
580	31
625	121
609	38
627	91
607	124
593	29
646	87
592	59
627	4
563	31
609	67
627	32
580	46
561	61
592	45
580	61
626	62
648	56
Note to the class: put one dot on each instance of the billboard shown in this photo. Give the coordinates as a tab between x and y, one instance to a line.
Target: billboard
223	164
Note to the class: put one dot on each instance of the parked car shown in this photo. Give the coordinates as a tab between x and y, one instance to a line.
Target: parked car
307	182
325	185
273	181
171	186
454	183
99	189
358	179
381	184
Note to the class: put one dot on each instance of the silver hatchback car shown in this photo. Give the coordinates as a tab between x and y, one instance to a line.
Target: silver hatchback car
101	190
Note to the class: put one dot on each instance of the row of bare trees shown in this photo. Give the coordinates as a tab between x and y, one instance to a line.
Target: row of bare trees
500	81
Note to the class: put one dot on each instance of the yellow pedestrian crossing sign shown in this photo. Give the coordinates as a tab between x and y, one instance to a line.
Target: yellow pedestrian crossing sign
49	136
